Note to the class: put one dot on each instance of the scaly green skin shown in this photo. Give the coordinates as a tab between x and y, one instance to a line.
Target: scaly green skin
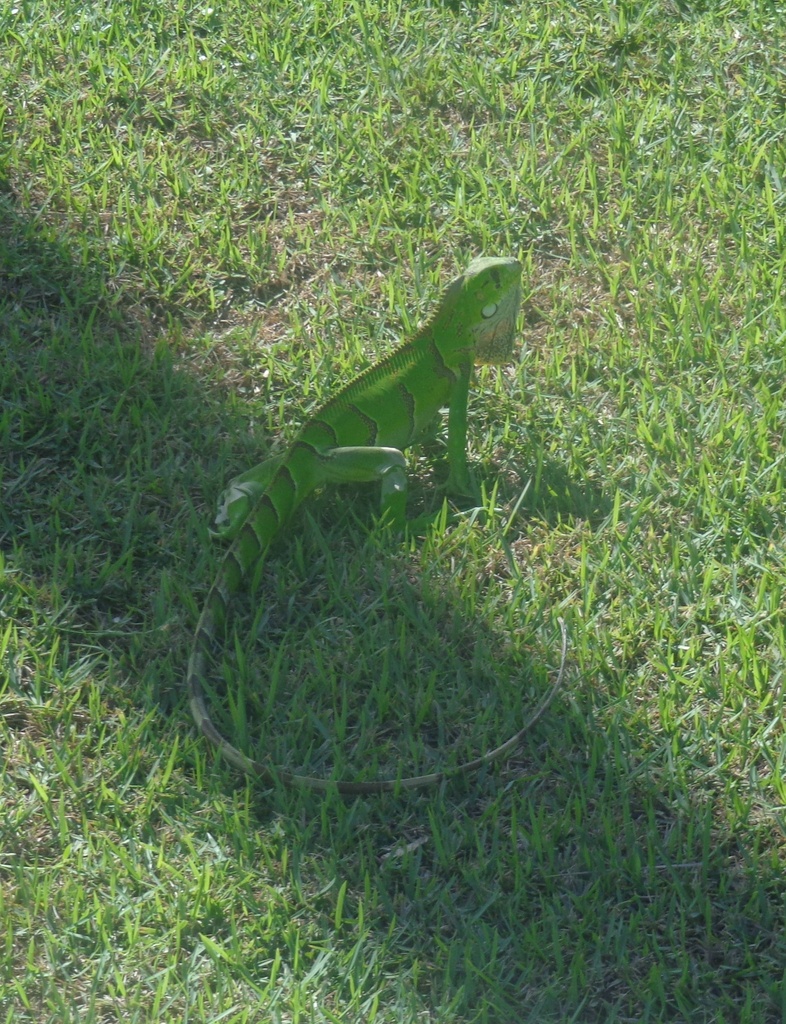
358	435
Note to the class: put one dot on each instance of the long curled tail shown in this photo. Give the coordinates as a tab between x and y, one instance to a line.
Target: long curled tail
213	618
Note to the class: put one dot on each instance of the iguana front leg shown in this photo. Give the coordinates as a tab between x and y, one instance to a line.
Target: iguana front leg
459	480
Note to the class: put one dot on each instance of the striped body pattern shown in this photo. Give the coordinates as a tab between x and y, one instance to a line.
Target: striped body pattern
358	435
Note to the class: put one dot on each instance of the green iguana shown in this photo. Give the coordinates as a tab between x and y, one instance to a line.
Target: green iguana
358	435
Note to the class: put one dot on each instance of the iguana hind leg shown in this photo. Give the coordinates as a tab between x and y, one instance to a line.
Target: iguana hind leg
240	495
355	464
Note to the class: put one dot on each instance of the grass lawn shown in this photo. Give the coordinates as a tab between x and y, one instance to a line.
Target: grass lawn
212	215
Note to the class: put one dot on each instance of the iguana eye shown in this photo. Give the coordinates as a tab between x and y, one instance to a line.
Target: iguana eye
489	310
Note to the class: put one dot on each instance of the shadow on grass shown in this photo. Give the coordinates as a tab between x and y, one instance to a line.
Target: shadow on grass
552	493
581	882
582	879
106	447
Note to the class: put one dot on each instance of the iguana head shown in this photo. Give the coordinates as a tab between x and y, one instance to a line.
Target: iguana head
488	294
